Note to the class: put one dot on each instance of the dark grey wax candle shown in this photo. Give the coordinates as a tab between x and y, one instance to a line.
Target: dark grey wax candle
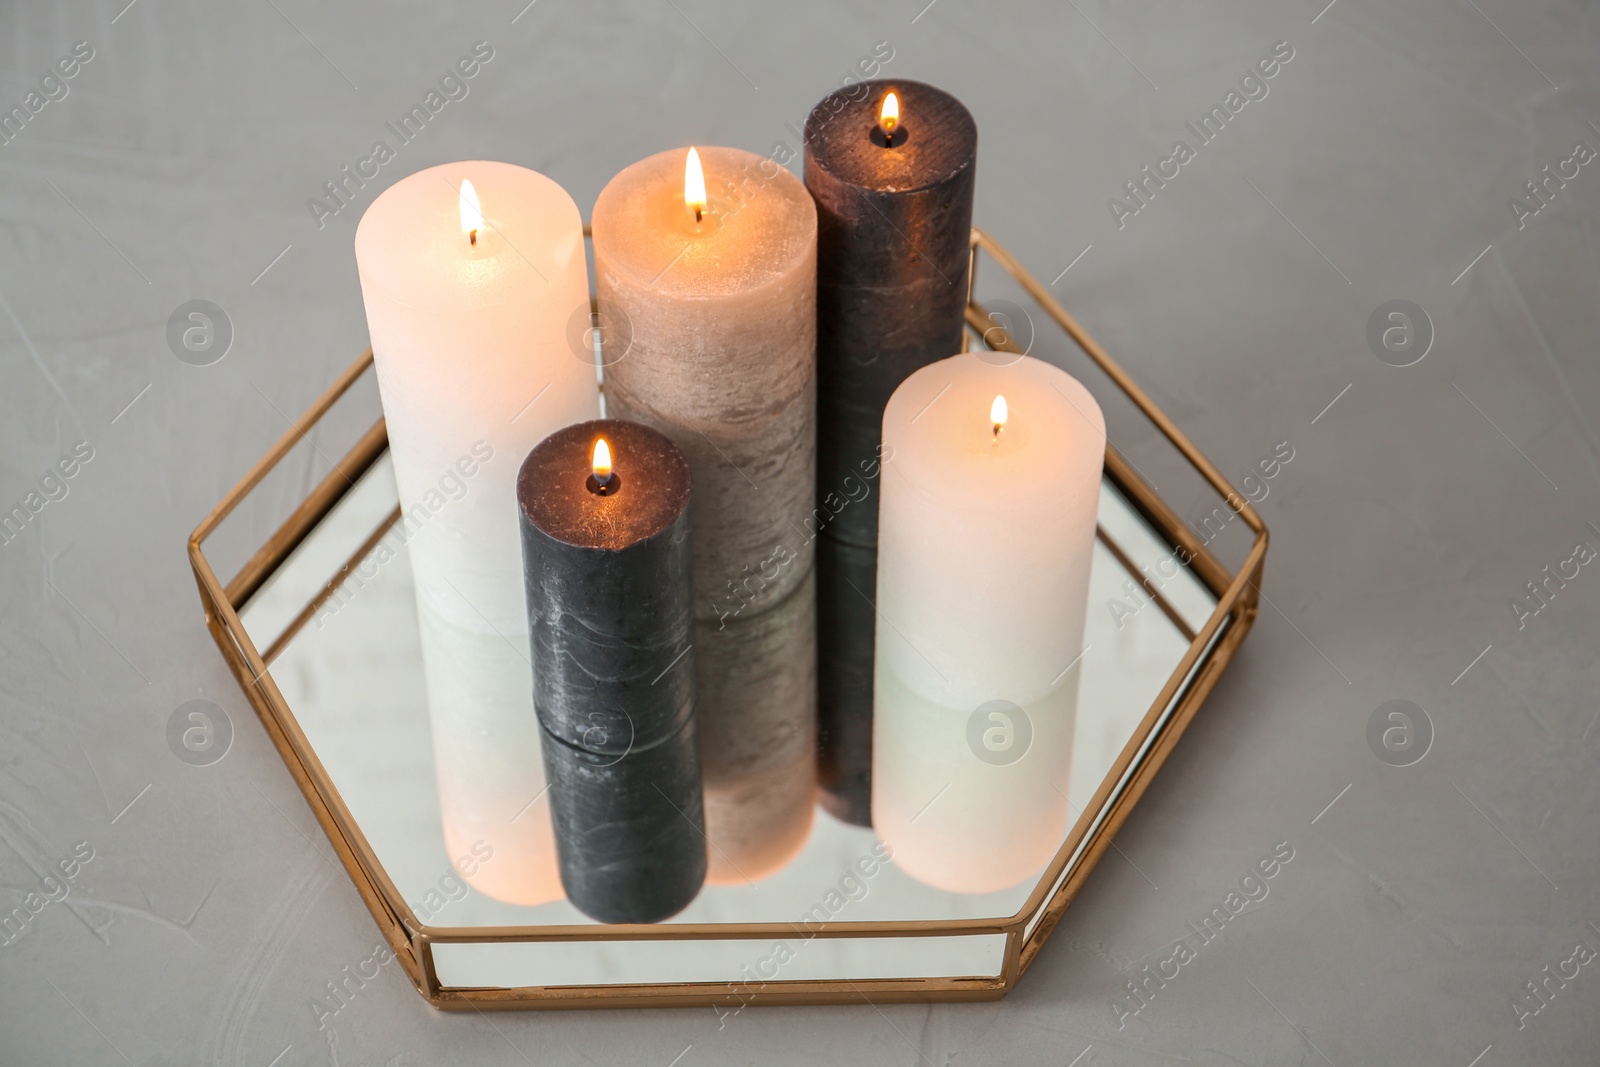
894	223
606	566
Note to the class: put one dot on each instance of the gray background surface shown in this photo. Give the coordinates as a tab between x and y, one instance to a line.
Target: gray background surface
1417	506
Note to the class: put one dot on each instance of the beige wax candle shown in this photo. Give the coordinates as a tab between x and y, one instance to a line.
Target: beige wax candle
718	296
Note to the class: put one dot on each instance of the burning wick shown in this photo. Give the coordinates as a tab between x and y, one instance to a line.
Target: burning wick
694	185
603	481
997	415
888	123
471	214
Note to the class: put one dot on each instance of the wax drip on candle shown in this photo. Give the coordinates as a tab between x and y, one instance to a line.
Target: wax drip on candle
471	213
603	481
888	133
694	185
997	415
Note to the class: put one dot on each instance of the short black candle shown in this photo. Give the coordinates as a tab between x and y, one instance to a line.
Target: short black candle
606	566
894	226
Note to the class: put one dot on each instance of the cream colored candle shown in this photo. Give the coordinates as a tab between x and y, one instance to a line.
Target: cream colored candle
990	488
471	273
714	298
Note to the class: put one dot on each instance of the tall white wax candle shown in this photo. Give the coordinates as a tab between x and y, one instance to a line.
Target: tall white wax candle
468	311
990	488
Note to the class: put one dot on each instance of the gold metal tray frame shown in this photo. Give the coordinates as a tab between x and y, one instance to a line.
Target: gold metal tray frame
1025	931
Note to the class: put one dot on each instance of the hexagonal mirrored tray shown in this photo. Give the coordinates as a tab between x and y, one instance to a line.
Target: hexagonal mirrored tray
419	752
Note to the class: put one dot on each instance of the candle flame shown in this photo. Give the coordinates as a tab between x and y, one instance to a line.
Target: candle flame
471	214
694	185
602	460
889	114
998	414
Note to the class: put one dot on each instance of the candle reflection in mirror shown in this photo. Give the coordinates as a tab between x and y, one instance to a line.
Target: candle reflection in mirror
492	797
756	678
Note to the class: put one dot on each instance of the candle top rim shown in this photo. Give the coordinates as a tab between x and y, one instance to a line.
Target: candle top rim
655	485
410	246
938	422
942	142
644	231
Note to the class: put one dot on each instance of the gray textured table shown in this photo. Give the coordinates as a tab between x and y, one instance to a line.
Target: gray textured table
1384	162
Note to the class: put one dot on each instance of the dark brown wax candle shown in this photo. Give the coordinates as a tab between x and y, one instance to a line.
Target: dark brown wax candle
893	181
604	508
894	225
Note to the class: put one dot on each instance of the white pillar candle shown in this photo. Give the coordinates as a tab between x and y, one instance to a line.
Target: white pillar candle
471	273
990	488
717	297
